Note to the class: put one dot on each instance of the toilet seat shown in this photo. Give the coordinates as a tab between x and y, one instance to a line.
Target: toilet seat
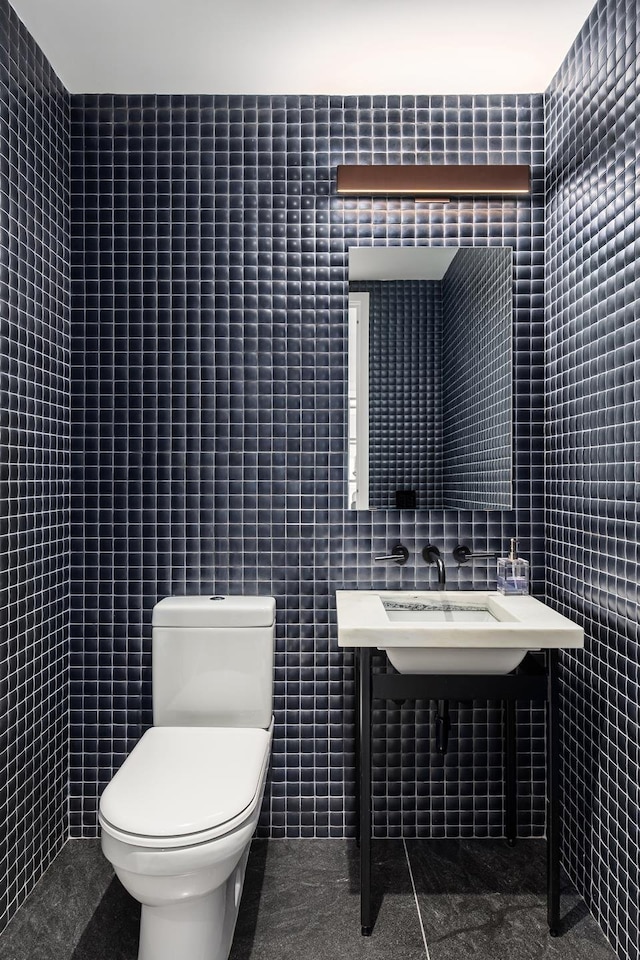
183	786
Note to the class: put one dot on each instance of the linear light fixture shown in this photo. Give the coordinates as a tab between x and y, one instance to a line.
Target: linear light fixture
440	180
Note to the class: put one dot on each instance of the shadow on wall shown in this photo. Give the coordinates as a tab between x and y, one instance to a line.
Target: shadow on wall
584	776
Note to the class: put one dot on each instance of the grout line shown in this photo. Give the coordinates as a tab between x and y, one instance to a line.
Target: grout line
415	897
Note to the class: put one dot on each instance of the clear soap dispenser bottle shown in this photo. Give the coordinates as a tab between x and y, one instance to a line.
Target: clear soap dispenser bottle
513	572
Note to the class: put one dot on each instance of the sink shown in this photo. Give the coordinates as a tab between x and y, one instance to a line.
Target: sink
438	611
451	632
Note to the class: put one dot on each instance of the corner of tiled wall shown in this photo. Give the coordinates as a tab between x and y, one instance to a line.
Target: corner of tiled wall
593	442
34	461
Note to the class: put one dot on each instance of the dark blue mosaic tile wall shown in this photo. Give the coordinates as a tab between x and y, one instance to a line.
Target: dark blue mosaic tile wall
593	330
209	260
34	462
405	397
476	380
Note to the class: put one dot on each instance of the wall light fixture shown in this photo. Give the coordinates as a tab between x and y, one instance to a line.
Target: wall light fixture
433	181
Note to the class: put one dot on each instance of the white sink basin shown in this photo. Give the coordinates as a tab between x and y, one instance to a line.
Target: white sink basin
455	632
438	611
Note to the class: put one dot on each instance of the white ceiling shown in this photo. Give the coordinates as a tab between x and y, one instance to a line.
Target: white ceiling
400	263
305	46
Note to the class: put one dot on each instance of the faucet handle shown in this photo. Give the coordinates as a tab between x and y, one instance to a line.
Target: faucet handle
462	554
399	553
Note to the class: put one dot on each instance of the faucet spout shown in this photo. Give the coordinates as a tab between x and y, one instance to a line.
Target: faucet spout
431	554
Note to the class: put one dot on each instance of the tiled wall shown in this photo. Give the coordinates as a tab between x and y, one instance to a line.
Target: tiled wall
405	399
593	290
209	260
34	462
476	379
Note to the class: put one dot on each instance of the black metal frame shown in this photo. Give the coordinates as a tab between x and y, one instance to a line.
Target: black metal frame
535	679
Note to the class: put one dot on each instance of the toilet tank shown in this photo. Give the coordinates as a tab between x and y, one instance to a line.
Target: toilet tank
212	661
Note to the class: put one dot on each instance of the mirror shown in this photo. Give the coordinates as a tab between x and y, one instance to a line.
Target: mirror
430	378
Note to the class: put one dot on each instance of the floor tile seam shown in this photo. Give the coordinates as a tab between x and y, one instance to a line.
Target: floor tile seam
415	897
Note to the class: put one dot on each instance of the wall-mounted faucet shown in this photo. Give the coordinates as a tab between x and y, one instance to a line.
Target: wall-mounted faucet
399	555
462	554
431	554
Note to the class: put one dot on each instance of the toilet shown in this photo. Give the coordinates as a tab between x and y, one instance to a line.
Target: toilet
178	816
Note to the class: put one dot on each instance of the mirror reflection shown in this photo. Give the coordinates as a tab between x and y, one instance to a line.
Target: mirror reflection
430	378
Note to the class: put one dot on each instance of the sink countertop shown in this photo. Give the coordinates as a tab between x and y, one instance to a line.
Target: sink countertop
523	621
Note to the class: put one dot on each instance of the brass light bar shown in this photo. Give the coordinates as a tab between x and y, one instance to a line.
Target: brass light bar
404	180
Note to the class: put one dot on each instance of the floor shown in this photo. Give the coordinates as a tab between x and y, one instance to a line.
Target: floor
438	900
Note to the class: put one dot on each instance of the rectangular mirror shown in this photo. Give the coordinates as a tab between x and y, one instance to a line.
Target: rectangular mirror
430	378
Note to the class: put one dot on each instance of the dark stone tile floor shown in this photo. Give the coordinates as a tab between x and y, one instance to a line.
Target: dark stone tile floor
78	911
301	900
482	899
477	899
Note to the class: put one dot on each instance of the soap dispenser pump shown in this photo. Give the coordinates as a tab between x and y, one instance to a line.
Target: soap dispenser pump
513	572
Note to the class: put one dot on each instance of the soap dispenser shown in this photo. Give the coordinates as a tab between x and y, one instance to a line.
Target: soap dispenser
513	572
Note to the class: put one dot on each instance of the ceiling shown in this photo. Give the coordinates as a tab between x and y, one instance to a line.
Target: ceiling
305	46
400	263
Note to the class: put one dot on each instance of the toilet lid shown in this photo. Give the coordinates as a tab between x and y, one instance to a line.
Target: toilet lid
183	780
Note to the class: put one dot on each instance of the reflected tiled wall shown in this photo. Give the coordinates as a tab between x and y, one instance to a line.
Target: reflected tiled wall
405	398
592	381
476	379
34	462
209	390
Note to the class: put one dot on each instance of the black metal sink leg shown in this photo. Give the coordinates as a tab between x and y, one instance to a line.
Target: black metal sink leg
553	794
510	771
364	735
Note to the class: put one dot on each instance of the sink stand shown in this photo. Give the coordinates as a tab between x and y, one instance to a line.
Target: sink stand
535	679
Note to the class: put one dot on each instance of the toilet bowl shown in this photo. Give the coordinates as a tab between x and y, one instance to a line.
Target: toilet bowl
178	817
176	824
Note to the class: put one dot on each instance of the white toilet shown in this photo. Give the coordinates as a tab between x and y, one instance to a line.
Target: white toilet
178	817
